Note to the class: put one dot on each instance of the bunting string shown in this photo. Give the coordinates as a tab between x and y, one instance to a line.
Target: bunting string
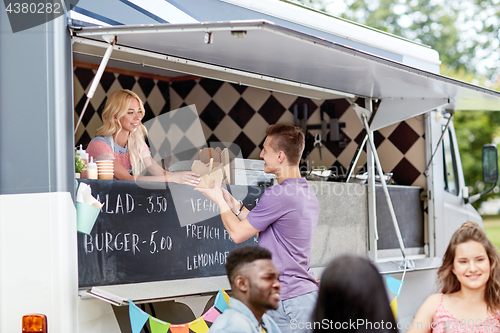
138	318
395	285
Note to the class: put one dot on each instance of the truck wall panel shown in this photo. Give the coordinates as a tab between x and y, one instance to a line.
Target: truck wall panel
38	260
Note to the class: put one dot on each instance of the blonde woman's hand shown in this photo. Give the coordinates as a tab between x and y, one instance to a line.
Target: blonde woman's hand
185	177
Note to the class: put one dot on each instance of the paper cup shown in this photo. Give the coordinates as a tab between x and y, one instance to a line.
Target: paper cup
86	215
105	170
105	166
108	176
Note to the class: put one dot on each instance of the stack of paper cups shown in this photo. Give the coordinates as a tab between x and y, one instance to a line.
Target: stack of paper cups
105	169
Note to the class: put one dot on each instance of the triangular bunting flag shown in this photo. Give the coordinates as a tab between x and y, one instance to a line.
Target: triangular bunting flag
394	285
220	302
137	317
158	326
198	326
211	315
182	328
226	296
394	307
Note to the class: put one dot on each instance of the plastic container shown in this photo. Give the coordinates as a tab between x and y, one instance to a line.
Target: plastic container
86	216
108	176
92	169
105	170
85	157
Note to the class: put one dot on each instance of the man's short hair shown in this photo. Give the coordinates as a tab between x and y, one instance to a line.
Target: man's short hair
243	256
289	139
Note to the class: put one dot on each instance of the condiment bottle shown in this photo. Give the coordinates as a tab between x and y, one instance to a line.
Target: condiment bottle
92	169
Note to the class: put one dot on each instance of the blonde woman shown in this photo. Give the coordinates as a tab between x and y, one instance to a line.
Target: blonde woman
121	139
469	279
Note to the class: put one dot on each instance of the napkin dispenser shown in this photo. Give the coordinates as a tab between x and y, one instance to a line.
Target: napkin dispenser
251	172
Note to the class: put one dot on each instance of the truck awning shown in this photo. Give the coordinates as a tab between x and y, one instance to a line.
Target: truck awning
282	12
265	55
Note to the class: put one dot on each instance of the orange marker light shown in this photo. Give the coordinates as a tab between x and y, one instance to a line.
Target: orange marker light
35	323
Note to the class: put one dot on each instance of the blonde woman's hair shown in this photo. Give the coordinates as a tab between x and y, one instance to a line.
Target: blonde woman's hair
115	108
448	282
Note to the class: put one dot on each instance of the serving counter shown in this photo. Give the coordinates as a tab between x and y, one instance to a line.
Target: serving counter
154	232
153	240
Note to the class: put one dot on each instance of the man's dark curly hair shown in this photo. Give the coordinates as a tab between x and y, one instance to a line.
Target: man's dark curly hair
243	256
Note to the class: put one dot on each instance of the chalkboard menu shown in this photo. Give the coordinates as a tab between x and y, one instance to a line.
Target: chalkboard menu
155	232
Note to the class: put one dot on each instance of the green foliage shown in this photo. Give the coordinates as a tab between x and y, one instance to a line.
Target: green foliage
463	32
492	229
79	163
474	129
429	22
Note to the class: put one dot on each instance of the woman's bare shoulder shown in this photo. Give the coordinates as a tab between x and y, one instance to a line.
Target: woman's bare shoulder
435	297
425	314
431	304
433	300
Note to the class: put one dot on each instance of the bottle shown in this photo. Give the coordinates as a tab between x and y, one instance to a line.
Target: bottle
92	169
85	157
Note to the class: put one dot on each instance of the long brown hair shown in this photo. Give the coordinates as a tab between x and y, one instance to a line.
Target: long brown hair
117	106
448	282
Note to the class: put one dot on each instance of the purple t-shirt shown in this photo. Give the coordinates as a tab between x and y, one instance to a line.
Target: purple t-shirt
286	216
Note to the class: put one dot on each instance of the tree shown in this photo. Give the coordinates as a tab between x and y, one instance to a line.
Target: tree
465	33
474	129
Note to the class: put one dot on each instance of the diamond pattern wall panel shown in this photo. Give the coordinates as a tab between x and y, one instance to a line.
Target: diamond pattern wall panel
239	114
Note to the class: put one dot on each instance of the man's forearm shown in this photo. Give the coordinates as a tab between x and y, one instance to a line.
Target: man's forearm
240	211
238	230
230	222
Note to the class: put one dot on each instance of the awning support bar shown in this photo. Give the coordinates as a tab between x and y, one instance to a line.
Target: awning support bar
451	112
111	39
356	158
359	110
384	186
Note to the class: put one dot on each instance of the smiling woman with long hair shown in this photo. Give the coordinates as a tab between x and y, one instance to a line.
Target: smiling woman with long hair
469	280
121	139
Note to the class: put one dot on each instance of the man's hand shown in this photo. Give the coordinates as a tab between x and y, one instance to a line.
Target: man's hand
239	230
233	204
214	193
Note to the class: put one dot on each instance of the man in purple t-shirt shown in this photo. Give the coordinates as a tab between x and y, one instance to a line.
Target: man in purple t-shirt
285	219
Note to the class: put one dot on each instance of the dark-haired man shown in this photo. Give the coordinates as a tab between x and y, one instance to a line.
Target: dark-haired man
285	219
256	289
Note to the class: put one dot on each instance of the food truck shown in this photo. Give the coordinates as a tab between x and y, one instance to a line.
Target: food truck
381	152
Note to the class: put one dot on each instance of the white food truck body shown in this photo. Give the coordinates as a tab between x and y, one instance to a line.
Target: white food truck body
307	54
